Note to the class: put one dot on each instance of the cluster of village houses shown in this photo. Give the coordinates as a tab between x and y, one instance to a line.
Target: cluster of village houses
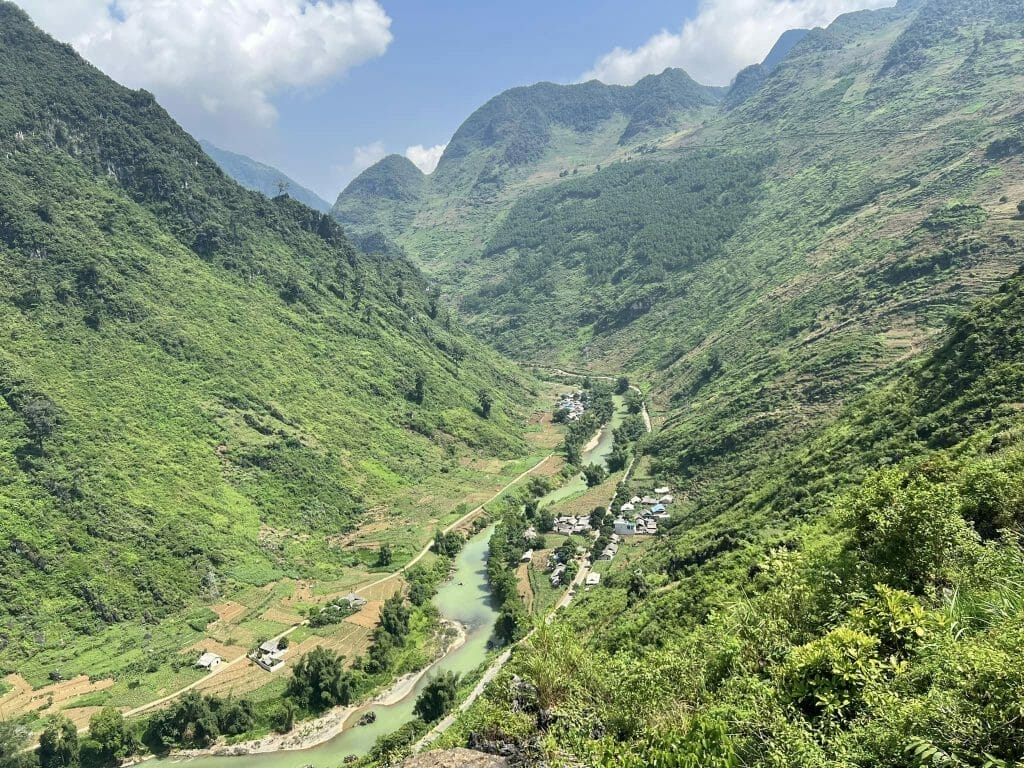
570	525
270	654
573	405
630	522
641	514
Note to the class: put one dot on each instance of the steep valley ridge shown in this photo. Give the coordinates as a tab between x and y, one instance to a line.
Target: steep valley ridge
721	389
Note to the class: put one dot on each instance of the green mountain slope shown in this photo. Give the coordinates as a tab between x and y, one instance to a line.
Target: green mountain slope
523	139
200	388
771	263
861	606
749	80
796	281
259	177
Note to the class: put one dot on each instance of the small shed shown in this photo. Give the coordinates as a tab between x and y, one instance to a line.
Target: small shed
209	661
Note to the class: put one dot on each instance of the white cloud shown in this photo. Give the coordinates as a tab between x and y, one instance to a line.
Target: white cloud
221	58
425	158
365	156
724	37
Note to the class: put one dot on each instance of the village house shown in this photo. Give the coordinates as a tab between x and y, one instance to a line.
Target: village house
269	656
569	525
627	507
527	556
530	533
556	575
209	661
593	579
646	526
355	601
609	551
662	491
624	527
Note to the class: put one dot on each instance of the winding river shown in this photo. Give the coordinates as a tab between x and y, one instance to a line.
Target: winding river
464	598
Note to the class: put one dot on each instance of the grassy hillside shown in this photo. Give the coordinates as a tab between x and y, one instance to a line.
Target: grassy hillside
201	388
860	606
524	139
786	254
259	177
818	285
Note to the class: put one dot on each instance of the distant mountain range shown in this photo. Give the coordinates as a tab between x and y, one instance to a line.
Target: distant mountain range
260	177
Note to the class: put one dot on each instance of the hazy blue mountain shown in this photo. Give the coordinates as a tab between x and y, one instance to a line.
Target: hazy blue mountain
260	177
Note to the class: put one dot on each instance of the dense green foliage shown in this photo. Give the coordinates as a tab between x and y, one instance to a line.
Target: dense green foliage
58	744
191	374
196	721
13	740
438	697
882	627
605	249
320	681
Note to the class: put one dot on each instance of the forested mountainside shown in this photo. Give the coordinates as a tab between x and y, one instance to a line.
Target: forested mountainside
523	139
764	266
818	283
201	387
862	605
259	177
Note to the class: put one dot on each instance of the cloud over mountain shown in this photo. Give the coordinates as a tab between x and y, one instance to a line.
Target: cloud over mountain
425	158
219	58
724	37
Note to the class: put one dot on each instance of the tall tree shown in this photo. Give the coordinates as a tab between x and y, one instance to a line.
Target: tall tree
486	403
320	681
58	744
438	697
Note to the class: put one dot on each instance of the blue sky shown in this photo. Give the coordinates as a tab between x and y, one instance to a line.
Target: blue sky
322	88
447	59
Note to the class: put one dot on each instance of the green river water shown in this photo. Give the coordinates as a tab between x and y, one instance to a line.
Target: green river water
465	598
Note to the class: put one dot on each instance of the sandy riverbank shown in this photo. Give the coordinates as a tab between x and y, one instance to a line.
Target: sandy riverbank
313	733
